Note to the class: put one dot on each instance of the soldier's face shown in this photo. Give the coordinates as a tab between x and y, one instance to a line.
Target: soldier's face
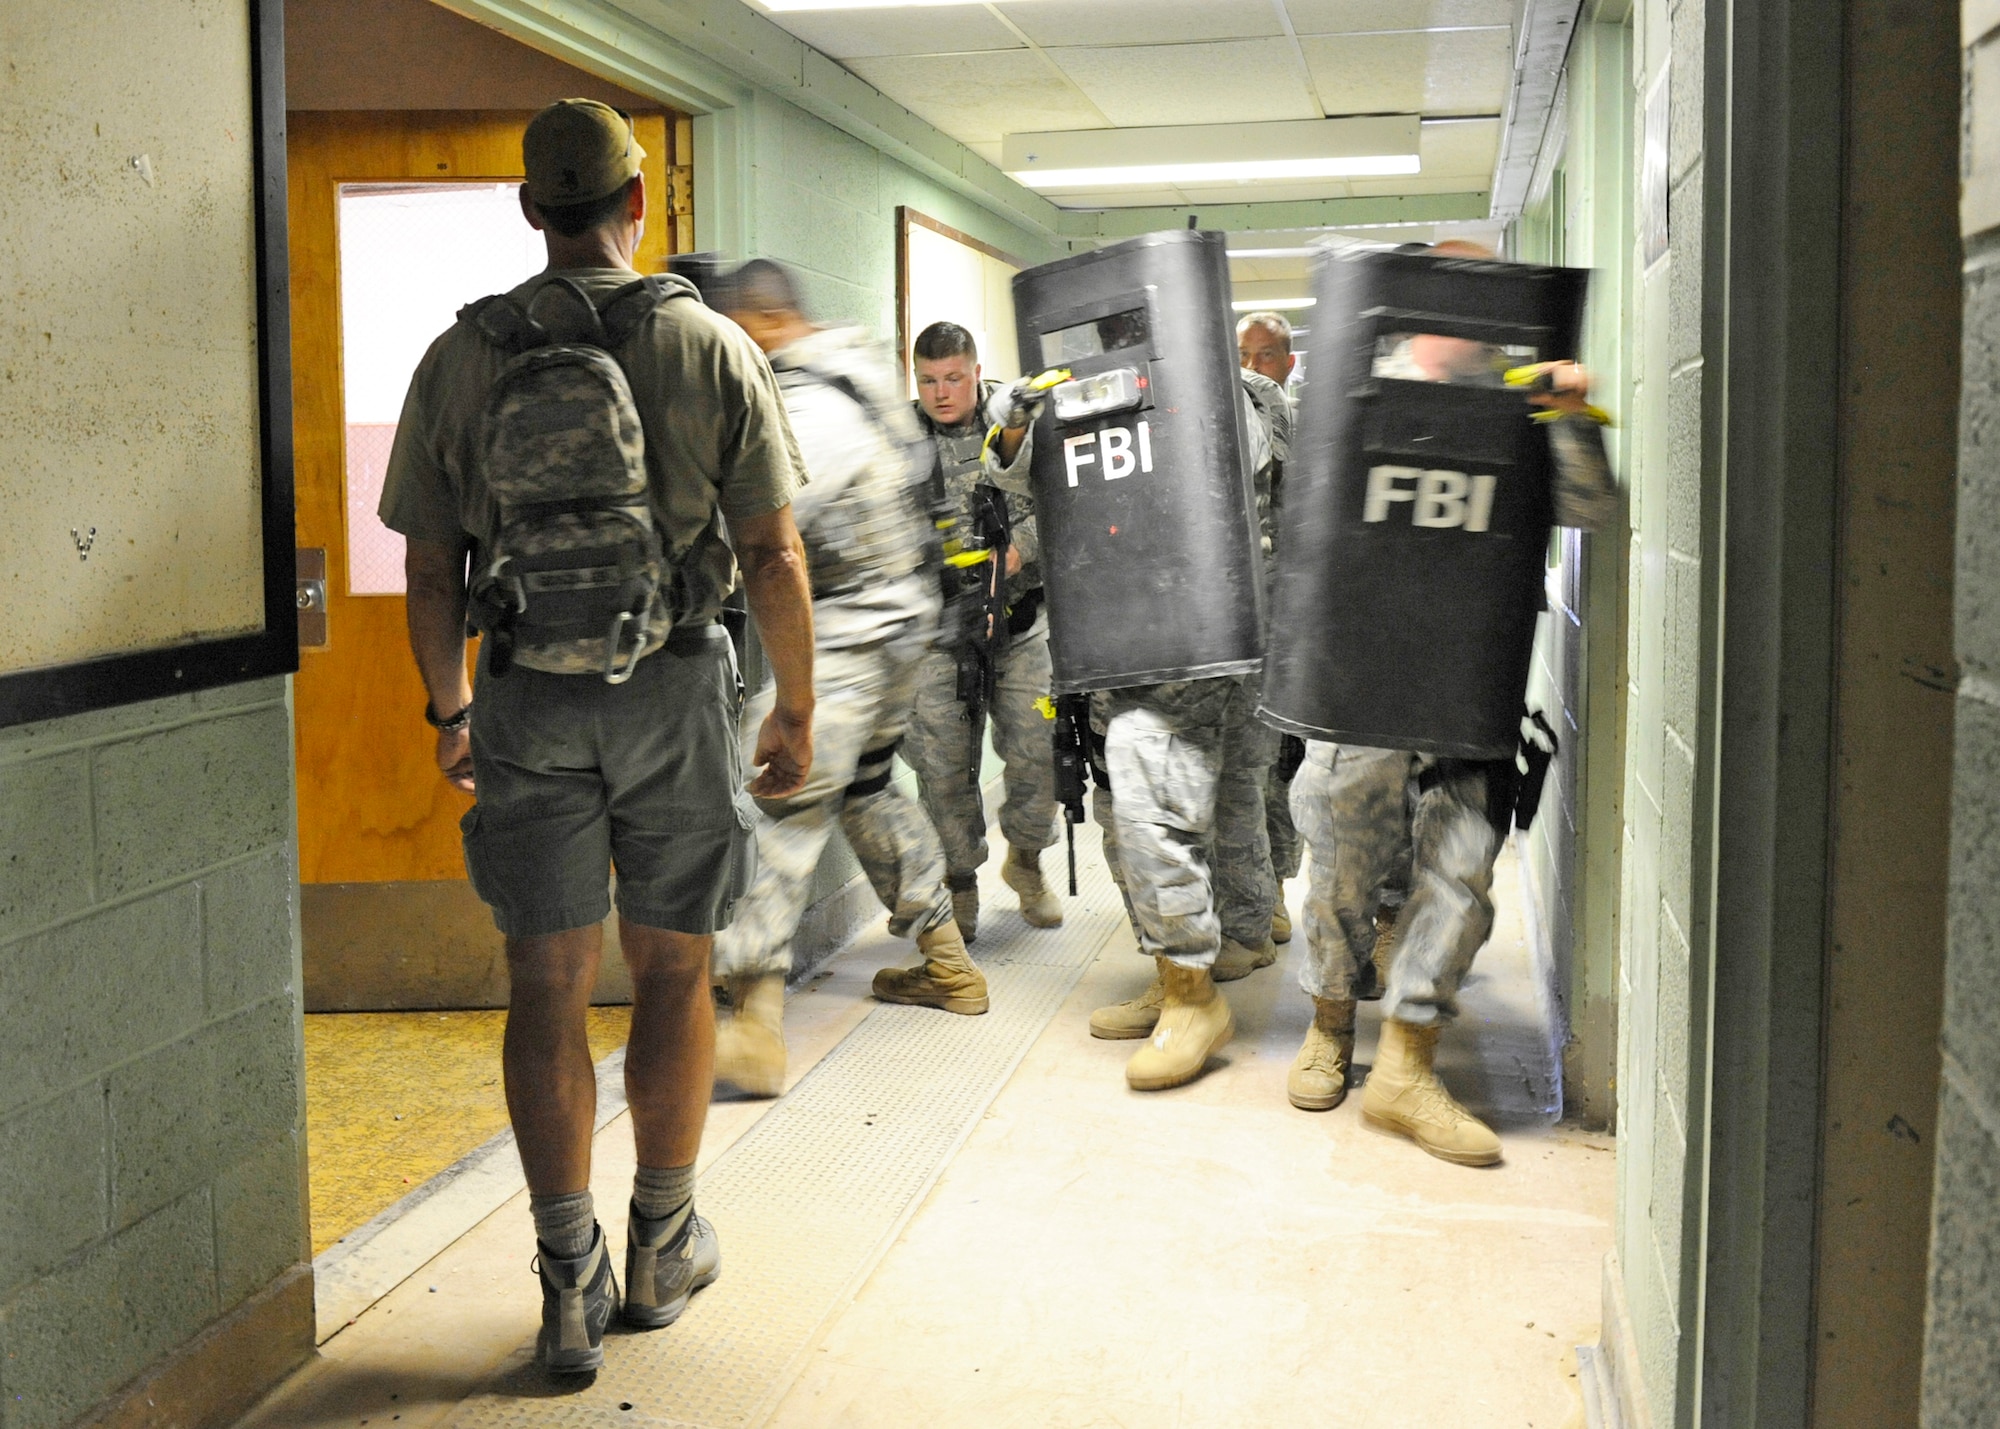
1265	353
948	388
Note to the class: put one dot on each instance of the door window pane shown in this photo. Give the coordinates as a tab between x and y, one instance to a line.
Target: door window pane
411	255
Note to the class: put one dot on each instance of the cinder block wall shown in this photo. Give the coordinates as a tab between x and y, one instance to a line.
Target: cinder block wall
151	1063
1962	1350
1660	1043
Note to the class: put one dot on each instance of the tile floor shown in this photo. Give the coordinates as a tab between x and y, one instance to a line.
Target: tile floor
1092	1256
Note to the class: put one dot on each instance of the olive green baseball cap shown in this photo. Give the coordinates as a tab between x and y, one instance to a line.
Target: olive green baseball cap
577	150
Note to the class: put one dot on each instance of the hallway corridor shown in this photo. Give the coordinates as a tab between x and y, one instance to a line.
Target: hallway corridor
971	1221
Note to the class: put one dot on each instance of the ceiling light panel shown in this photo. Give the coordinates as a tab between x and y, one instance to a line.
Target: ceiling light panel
1223	82
1325	17
1214	154
870	34
1152	22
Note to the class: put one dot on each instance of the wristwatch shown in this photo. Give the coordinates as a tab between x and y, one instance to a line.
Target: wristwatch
448	726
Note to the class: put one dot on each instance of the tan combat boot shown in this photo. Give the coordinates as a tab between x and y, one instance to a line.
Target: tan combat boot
1237	960
1022	872
1123	1021
946	977
750	1044
1402	1094
1318	1079
1281	923
965	911
1195	1023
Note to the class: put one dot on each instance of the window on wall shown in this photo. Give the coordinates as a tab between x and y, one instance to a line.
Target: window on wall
947	276
411	255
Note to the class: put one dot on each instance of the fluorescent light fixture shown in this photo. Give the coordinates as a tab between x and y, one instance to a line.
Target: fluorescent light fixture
1193	154
1255	305
1238	171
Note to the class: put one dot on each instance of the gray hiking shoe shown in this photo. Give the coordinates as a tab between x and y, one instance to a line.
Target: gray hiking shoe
579	1297
663	1271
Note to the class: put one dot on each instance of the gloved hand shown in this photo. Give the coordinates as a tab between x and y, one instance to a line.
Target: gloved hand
1015	404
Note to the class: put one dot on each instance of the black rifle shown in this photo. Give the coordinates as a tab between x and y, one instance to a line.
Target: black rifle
983	600
1072	762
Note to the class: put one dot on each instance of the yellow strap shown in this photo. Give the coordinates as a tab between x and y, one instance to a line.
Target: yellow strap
1047	707
965	560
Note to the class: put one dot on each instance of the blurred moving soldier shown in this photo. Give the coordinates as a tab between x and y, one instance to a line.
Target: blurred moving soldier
993	656
1264	346
583	438
1374	816
1182	809
863	515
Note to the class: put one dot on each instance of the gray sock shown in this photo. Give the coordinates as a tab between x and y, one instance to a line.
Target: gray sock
659	1191
565	1224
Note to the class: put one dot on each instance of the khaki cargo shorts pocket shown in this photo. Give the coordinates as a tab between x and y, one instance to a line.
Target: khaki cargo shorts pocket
478	863
742	853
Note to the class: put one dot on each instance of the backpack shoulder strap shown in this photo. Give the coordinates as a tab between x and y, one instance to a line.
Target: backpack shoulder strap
504	323
626	308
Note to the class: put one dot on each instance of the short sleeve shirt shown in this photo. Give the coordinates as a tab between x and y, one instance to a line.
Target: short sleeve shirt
718	445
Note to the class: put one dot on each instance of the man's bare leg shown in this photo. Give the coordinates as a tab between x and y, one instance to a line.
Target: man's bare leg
551	1085
670	1061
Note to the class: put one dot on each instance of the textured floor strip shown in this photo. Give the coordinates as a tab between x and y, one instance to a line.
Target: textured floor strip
813	1195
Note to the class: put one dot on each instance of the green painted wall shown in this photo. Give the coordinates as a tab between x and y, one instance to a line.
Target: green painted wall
1584	219
1661	1056
151	1062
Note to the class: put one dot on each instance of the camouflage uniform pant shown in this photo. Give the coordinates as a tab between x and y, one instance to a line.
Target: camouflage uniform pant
1278	826
941	740
1187	763
1376	820
862	702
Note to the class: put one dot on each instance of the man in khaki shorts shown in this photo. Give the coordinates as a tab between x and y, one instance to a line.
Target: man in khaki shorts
596	751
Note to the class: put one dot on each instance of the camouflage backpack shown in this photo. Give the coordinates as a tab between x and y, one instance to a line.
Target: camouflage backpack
576	581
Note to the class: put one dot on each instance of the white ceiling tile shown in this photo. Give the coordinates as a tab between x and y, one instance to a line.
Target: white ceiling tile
927	30
1467	147
1325	17
981	97
1412	72
1227	82
1469	72
987	149
1140	22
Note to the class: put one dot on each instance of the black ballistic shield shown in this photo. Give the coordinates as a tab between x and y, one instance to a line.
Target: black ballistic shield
1417	509
1150	550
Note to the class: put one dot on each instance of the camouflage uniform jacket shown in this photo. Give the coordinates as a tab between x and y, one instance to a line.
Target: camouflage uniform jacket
861	514
958	463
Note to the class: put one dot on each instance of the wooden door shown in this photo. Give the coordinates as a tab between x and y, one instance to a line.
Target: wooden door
389	919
